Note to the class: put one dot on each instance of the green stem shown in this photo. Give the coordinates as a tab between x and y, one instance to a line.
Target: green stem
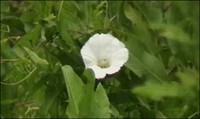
60	7
11	84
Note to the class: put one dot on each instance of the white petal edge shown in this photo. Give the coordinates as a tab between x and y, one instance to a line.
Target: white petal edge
111	70
88	56
98	72
103	45
120	57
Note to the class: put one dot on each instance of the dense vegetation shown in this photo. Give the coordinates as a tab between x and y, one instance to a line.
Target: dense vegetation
43	74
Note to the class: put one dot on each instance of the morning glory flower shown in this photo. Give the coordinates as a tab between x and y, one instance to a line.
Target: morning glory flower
104	54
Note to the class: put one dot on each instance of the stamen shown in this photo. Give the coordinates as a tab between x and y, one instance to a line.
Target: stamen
103	63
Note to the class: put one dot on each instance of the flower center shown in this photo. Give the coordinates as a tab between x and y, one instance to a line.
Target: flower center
103	63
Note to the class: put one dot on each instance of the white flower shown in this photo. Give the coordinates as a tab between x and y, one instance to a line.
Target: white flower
104	54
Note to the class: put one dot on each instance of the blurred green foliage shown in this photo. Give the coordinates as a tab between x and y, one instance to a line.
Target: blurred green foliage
43	75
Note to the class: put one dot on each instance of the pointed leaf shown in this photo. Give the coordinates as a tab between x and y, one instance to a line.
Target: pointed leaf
35	57
102	102
74	88
147	65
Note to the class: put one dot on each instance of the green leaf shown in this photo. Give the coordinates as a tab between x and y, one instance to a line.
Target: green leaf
75	90
102	102
158	91
160	115
35	88
15	24
144	102
94	104
50	97
84	102
4	6
35	57
42	9
171	32
31	38
90	78
151	11
67	16
144	65
189	78
140	27
114	112
179	41
135	17
8	102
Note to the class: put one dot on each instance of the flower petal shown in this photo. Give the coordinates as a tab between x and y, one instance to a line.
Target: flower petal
88	56
103	45
98	72
119	57
111	70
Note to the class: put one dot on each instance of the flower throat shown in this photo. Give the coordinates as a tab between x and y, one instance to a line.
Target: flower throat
103	63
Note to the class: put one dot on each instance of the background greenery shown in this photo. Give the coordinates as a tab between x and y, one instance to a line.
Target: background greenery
42	73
